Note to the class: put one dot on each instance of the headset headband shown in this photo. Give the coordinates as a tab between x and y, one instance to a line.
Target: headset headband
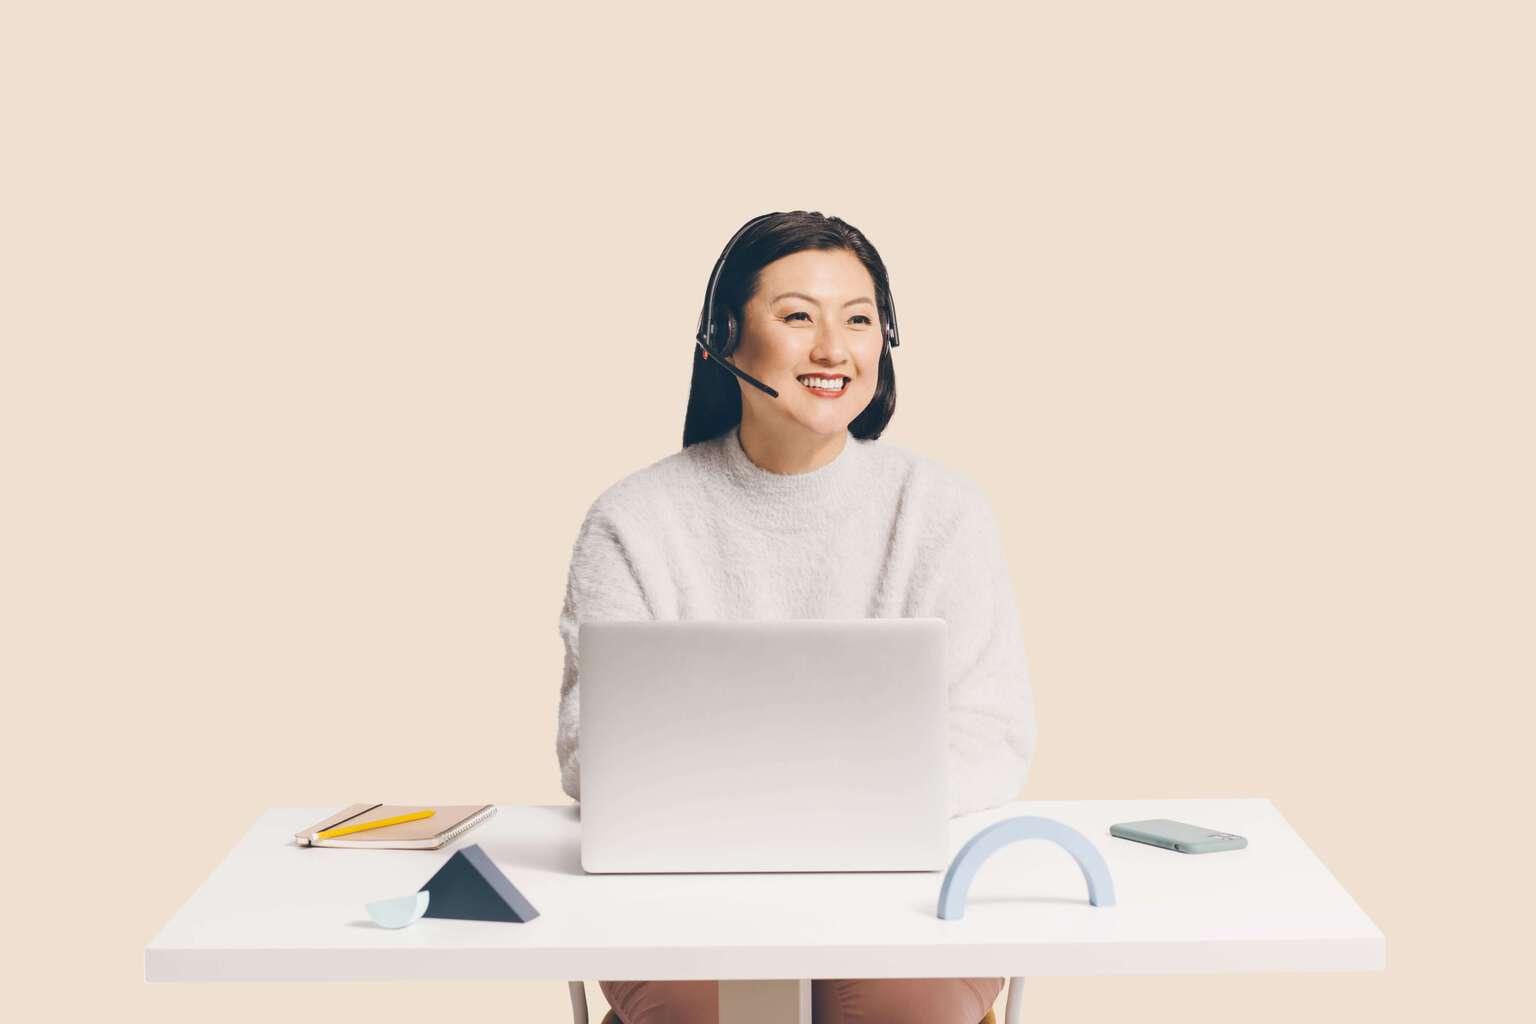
705	335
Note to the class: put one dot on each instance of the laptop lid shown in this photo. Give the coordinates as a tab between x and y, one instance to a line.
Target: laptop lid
763	745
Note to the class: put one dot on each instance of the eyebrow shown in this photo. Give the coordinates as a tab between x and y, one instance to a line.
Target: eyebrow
807	298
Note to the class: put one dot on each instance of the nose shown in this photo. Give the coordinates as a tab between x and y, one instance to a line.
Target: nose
830	346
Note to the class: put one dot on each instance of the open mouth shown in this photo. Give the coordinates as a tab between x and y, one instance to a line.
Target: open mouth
824	387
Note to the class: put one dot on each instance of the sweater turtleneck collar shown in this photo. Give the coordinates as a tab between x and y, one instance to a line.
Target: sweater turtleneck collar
790	502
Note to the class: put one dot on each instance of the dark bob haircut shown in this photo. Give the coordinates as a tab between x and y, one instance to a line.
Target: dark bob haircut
714	396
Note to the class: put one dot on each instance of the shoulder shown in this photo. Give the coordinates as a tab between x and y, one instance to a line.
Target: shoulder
656	490
945	497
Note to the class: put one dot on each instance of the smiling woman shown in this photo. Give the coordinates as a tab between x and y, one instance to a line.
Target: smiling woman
783	504
798	309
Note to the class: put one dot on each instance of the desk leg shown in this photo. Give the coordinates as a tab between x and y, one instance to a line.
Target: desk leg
765	1002
1013	1011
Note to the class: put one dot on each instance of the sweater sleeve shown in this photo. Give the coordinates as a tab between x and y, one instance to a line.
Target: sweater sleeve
602	586
991	704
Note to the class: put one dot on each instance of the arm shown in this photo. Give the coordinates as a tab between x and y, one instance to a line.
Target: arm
602	586
991	704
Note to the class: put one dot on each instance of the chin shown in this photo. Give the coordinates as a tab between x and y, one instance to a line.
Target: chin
829	425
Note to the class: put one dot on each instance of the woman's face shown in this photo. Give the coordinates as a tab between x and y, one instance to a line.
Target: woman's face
813	313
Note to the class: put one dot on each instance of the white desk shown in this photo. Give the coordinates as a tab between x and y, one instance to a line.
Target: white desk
273	911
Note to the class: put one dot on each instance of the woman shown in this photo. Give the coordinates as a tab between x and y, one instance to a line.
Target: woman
785	506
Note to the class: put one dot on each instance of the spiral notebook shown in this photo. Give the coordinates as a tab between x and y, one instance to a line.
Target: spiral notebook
423	834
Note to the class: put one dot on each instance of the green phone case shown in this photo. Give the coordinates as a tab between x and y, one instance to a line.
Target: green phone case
1177	835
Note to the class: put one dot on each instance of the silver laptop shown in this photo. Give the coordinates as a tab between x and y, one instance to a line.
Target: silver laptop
763	745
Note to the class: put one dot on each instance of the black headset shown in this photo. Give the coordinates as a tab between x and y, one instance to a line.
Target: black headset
708	328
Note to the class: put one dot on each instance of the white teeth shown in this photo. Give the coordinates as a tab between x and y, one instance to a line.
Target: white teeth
822	383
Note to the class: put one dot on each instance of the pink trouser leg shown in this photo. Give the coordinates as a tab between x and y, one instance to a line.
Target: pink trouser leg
842	1001
664	1002
903	1000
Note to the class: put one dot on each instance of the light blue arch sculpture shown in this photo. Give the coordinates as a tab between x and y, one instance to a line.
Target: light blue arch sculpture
962	870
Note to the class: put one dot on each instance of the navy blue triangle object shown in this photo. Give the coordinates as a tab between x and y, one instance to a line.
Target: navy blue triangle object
471	888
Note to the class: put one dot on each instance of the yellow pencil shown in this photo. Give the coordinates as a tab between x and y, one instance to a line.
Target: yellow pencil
346	830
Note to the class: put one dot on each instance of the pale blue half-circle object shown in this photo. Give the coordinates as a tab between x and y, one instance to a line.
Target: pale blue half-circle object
962	870
400	911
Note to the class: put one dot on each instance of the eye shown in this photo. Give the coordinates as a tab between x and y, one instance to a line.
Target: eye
859	317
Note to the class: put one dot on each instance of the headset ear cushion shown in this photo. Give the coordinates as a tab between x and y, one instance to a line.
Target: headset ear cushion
730	332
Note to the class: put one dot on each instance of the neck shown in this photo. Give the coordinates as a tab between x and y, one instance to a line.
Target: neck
789	449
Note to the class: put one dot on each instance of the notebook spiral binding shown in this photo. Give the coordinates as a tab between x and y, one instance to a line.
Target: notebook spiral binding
467	824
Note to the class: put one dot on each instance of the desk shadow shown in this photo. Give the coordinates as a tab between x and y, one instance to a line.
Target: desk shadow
931	909
562	856
373	926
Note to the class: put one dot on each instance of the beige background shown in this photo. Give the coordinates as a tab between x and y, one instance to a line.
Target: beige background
324	323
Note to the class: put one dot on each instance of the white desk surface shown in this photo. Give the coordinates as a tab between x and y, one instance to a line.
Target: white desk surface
274	911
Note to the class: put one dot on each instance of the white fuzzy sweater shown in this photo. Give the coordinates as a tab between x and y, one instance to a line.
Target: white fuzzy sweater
879	532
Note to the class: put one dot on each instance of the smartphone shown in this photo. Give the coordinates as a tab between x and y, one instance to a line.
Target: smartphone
1176	835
